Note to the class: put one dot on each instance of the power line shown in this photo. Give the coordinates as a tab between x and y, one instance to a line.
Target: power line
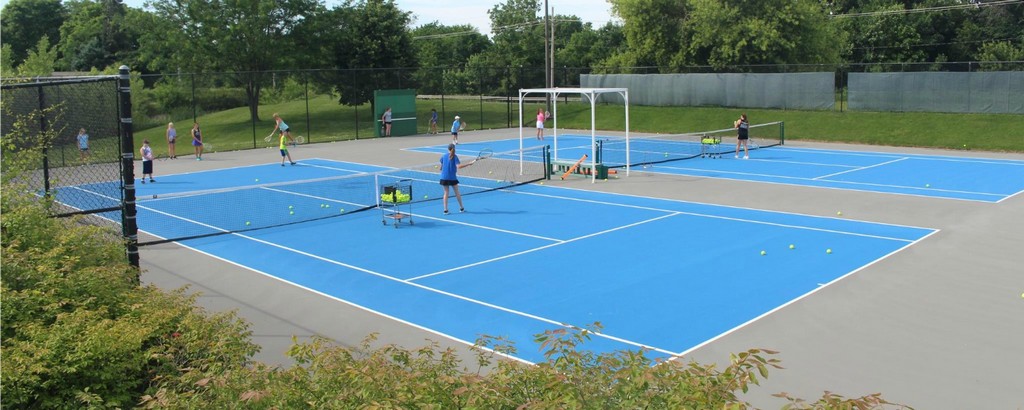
938	44
928	9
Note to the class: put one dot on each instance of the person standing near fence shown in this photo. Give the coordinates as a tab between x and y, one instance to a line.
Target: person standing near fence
83	145
285	139
197	141
433	121
456	126
147	161
172	136
742	135
386	119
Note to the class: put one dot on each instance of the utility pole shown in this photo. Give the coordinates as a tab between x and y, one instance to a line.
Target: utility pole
551	66
547	61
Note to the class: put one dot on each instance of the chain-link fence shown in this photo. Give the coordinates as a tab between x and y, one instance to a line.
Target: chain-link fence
236	109
65	140
74	125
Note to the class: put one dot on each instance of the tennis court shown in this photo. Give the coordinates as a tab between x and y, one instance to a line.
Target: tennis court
951	177
662	274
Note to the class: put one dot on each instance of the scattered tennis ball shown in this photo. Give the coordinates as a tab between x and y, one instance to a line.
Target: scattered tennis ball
927	185
327	205
341	211
763	253
829	250
290	207
542	182
247	223
291	212
666	155
791	246
426	196
840	213
490	172
257	180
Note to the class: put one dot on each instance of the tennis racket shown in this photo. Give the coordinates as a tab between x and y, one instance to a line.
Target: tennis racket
484	154
269	137
208	147
300	139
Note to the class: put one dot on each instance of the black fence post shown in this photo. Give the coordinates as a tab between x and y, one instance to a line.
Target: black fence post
129	225
46	150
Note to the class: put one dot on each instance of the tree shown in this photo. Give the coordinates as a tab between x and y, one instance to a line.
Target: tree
589	47
94	35
24	22
671	34
372	42
245	37
40	61
6	60
441	48
653	31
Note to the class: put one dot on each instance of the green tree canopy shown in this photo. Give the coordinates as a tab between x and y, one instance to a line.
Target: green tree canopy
95	35
369	36
246	37
671	34
24	22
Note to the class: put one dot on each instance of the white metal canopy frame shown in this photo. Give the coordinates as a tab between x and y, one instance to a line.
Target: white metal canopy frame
591	94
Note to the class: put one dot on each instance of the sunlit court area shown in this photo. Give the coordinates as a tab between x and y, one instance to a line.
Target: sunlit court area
530	204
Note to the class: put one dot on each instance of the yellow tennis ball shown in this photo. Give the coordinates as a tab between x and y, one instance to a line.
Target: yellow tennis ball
327	205
247	223
791	246
828	250
927	185
840	213
341	211
290	207
257	180
291	212
763	253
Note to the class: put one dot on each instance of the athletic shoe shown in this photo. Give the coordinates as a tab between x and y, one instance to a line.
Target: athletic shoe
446	212
462	209
736	156
293	162
746	157
143	180
152	180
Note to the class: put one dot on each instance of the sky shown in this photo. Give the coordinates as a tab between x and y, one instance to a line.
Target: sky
474	12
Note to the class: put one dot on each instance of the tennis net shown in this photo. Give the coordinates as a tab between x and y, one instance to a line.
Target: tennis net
205	213
664	148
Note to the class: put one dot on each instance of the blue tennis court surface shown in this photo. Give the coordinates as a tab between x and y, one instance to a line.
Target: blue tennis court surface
964	178
662	274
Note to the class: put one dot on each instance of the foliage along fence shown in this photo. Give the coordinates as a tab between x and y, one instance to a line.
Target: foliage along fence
331	105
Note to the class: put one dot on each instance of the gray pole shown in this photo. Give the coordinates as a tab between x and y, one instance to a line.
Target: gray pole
129	225
547	63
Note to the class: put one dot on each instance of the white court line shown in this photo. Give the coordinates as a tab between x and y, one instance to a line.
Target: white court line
543	247
489	228
427	288
703	215
927	157
813	291
862	168
451	295
701	172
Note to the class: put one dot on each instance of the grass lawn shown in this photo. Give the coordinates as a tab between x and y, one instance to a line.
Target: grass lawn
328	121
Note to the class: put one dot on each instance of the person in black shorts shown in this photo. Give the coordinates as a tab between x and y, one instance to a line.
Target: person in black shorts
742	129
